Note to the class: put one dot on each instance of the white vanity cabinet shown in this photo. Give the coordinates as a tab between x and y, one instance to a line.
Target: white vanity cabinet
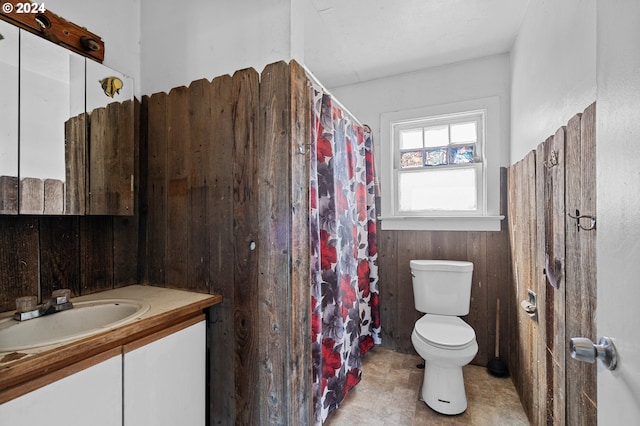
165	380
92	396
156	380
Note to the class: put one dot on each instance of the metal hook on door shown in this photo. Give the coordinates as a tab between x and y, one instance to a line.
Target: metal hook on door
578	217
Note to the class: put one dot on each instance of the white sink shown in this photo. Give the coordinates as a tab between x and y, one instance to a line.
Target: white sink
85	319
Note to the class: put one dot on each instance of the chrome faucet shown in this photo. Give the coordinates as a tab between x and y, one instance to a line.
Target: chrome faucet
26	309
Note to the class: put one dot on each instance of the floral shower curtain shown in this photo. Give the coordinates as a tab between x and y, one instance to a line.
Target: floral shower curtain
344	267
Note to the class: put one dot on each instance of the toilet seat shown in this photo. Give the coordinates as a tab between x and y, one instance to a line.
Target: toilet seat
445	332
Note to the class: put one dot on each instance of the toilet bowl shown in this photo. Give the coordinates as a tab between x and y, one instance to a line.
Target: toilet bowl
442	291
446	344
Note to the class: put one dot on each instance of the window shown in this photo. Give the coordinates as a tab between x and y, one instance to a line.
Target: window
438	174
438	164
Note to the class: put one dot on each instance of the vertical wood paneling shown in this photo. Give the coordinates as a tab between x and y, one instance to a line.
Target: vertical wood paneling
388	287
499	272
111	159
479	313
31	196
157	134
75	164
60	254
53	196
221	263
558	348
18	259
126	239
128	231
543	340
178	165
96	254
274	249
199	143
522	232
300	404
580	264
42	254
589	286
8	194
245	95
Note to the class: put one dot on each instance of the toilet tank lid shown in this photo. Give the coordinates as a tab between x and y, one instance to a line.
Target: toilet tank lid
441	265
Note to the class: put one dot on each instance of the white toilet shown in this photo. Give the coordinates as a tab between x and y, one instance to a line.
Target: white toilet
442	290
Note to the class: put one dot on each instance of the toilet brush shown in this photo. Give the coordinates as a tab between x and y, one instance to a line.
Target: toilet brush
497	367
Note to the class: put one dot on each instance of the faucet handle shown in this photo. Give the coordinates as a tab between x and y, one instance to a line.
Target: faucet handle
61	295
26	304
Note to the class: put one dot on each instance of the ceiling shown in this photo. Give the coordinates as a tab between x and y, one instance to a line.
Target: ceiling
351	41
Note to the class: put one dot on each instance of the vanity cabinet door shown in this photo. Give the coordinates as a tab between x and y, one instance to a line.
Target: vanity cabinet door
165	380
89	397
9	51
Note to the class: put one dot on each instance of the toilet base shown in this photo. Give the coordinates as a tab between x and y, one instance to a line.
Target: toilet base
443	389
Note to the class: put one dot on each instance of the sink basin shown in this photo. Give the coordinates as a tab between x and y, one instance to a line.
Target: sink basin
85	319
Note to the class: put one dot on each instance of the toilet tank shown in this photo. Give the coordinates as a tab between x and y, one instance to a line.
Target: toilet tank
442	287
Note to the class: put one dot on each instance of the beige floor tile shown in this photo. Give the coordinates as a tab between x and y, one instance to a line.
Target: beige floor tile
389	394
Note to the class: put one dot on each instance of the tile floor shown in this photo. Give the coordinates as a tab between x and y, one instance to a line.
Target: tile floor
389	394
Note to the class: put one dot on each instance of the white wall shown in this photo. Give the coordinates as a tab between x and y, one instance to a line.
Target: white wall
464	81
618	212
553	70
184	41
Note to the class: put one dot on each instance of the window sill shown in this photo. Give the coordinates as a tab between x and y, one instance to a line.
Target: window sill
441	223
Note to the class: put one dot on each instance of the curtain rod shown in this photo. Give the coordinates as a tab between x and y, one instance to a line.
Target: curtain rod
314	80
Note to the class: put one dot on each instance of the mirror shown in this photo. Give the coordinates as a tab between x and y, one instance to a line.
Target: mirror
111	151
9	118
51	92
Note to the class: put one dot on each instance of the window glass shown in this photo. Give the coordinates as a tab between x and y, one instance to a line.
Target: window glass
438	189
411	159
461	154
436	136
463	133
436	157
411	139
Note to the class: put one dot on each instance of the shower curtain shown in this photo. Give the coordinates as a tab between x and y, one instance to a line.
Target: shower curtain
344	267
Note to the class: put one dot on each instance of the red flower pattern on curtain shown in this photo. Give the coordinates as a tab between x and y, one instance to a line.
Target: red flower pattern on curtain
344	266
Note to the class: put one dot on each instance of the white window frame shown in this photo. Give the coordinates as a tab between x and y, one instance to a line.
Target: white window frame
486	217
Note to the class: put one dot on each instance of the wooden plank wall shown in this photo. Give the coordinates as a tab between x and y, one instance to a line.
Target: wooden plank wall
8	194
523	335
225	189
84	253
284	276
75	164
581	389
489	252
111	156
548	184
